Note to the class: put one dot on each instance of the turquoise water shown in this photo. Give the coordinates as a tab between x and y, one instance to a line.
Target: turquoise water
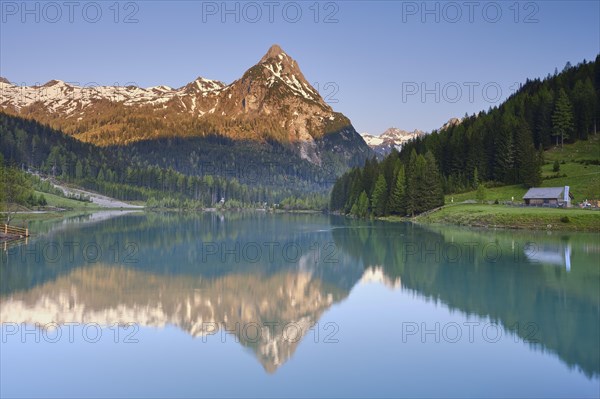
255	305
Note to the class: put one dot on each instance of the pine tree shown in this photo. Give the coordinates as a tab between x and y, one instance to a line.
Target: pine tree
337	199
504	147
475	178
411	184
556	166
379	198
78	170
562	118
397	201
530	171
369	175
527	164
433	194
584	105
361	206
543	103
356	187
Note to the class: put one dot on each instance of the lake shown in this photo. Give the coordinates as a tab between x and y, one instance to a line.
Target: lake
119	304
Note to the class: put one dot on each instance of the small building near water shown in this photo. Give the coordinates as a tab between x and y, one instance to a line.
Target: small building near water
548	196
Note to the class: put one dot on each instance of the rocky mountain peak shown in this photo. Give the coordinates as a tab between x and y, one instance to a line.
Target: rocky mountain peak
204	85
55	82
451	122
279	63
395	133
274	52
271	101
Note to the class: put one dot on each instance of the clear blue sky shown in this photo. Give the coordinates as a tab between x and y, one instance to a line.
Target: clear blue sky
379	54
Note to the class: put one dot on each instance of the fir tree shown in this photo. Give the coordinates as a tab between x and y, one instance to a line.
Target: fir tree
379	198
397	200
433	194
556	166
584	105
475	178
562	118
531	167
361	207
411	184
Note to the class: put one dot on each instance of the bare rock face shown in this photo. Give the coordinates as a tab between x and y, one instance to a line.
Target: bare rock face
451	122
271	101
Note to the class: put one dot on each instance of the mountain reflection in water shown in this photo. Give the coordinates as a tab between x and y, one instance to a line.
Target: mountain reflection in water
201	272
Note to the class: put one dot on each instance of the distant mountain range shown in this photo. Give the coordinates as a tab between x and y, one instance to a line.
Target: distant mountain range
396	138
271	102
390	139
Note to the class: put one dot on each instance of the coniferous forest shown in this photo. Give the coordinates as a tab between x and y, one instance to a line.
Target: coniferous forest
499	147
124	173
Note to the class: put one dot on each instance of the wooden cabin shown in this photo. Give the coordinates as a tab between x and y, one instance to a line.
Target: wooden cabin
548	196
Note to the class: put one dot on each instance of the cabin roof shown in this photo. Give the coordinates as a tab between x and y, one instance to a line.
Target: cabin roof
544	192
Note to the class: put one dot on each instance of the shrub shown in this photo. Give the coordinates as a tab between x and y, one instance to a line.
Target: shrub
565	219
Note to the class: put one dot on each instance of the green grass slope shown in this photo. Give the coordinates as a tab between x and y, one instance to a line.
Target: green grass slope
582	176
533	218
579	170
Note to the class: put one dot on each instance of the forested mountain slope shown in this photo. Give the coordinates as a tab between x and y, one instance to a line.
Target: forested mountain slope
501	146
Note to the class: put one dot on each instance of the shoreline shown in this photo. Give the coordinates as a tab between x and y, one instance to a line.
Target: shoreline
509	218
481	216
59	213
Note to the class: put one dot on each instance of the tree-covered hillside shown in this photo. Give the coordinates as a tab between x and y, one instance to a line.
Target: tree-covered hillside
123	173
501	146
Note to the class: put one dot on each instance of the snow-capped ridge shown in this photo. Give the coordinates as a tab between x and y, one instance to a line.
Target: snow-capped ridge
60	97
204	84
55	82
392	138
272	99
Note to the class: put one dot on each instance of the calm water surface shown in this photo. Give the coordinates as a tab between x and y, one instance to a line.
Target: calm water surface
255	305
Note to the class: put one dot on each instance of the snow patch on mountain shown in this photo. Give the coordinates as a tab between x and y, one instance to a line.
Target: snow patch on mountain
284	68
390	139
60	97
396	138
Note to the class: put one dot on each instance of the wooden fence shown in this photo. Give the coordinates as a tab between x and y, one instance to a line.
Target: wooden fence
19	232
